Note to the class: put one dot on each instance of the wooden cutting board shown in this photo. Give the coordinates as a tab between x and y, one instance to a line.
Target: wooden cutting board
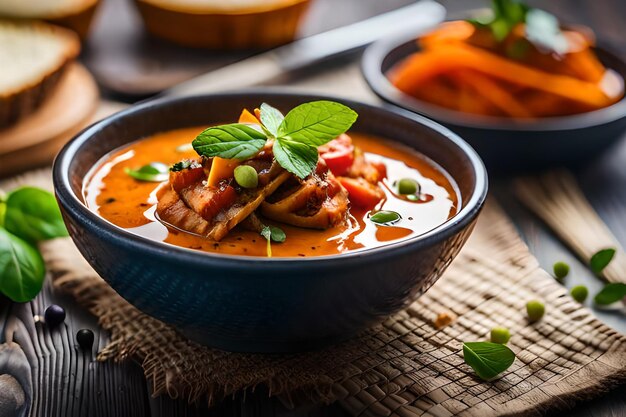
36	140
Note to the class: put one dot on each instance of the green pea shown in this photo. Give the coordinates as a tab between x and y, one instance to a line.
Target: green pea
385	217
561	269
535	310
408	186
579	293
246	176
500	335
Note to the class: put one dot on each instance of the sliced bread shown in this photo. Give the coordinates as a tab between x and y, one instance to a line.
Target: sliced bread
73	14
33	57
219	24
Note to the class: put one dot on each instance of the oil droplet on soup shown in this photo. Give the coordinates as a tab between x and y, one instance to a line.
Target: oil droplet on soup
131	204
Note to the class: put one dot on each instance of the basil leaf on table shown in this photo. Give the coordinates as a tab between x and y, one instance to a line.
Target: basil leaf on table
232	141
317	122
601	260
488	359
298	158
22	269
611	293
271	118
33	214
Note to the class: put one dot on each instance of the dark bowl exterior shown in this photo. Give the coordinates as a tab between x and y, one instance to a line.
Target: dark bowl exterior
264	305
506	145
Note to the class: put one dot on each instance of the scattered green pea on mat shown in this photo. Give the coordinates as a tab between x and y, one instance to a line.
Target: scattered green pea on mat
500	335
561	270
535	310
579	293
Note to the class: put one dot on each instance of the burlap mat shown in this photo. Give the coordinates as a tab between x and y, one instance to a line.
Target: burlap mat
403	367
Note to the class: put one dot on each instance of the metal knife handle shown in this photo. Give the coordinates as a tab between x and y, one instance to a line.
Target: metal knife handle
307	51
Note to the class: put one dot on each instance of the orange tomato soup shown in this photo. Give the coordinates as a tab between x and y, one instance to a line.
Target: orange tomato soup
131	204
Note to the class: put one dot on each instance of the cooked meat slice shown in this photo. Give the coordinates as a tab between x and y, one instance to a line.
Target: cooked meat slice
245	205
208	201
173	211
316	203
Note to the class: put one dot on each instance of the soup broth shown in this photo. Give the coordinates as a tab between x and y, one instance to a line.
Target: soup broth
130	204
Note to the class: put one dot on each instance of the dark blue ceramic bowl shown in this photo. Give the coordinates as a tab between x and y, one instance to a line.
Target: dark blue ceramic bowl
504	144
257	304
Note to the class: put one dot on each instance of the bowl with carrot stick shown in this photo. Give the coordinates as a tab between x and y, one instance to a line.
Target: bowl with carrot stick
524	89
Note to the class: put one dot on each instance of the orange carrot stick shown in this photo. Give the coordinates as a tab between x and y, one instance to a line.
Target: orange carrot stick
490	90
419	67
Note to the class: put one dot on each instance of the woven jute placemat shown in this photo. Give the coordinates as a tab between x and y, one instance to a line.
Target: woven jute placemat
403	367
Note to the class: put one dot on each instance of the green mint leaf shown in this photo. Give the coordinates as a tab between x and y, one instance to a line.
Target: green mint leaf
500	29
22	269
543	31
611	293
152	172
601	260
33	215
487	359
504	16
271	118
298	158
233	141
316	123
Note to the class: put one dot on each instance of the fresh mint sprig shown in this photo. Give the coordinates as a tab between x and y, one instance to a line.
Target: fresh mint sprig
542	28
296	135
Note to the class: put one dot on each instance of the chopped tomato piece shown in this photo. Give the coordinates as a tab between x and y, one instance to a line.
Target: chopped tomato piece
338	154
185	178
362	193
381	168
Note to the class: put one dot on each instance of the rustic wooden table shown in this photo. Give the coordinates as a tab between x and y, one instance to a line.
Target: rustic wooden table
130	66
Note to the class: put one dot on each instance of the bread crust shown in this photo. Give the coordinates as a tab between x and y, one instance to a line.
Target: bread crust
242	29
24	100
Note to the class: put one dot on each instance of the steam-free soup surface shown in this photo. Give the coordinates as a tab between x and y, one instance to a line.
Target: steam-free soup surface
131	204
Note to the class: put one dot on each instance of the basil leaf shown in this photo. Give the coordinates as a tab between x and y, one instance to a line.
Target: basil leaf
33	215
505	15
601	260
611	293
22	269
153	172
3	211
271	118
543	31
317	122
298	158
487	359
233	141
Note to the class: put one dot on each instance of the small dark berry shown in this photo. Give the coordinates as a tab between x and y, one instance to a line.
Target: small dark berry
54	315
85	338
